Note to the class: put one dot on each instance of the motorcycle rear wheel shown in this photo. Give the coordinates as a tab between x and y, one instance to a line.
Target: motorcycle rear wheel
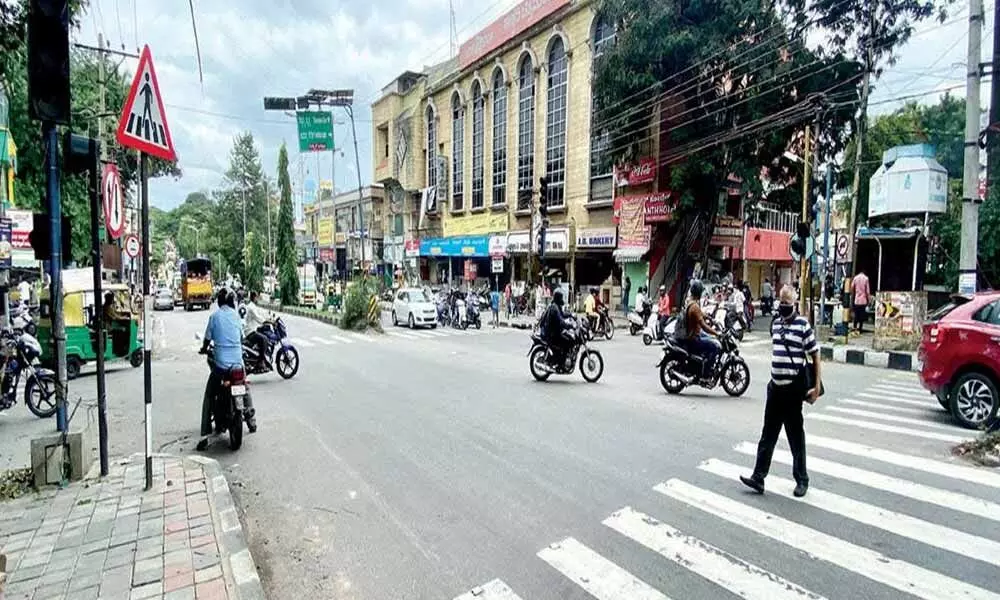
286	361
236	430
591	365
735	378
673	386
536	361
40	395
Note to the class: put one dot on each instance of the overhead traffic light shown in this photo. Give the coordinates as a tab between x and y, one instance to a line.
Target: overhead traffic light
48	61
543	196
799	247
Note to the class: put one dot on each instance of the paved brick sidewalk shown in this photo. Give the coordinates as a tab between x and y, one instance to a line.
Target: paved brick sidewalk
108	539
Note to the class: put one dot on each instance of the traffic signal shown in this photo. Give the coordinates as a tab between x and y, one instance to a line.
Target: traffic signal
48	61
543	196
40	237
80	152
798	244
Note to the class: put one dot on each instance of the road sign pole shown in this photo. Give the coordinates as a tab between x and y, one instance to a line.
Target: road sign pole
55	273
95	257
147	302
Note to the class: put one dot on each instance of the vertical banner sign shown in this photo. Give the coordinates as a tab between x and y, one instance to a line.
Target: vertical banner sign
6	245
315	131
114	204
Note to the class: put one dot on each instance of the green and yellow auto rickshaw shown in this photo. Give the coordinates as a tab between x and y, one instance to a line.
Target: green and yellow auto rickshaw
122	323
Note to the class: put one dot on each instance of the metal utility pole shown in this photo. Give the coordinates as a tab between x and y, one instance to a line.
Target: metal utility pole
55	272
357	166
267	207
993	145
101	95
804	287
860	137
147	315
99	329
826	240
970	176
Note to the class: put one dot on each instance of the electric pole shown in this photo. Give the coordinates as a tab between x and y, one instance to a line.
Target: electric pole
869	66
804	284
992	144
970	176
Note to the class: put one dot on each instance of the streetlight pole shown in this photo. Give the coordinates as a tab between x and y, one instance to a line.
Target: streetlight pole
357	165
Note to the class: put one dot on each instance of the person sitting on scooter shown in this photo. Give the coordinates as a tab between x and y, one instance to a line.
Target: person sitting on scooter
251	323
663	310
642	306
555	328
698	330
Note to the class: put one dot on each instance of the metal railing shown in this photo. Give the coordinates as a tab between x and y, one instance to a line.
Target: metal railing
769	217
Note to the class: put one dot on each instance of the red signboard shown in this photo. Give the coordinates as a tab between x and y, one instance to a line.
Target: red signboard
519	18
640	173
327	255
767	245
412	248
659	207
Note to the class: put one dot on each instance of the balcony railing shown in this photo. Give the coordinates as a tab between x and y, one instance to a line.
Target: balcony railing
768	217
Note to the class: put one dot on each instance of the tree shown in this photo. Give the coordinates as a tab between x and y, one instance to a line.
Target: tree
85	85
288	277
254	259
728	84
244	191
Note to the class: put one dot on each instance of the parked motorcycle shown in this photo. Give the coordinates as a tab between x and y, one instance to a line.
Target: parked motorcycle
473	316
541	354
460	315
285	359
19	353
21	319
228	406
679	368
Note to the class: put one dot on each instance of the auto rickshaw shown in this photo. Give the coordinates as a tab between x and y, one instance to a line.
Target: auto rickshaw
122	322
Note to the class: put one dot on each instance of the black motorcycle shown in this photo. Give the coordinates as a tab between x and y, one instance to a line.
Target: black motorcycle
541	357
285	359
473	316
603	327
228	406
679	368
19	354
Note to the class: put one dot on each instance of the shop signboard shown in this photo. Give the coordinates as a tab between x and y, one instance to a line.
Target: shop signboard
728	232
659	207
324	231
518	242
556	241
496	264
477	224
632	229
5	246
597	237
474	245
412	248
22	223
326	255
516	20
639	173
471	270
498	245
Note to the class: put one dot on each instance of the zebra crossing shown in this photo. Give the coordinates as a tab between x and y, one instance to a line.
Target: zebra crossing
864	489
395	335
895	403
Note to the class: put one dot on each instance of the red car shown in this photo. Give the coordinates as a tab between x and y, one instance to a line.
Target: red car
960	352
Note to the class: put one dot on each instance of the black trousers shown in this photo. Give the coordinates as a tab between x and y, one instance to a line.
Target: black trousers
783	409
860	316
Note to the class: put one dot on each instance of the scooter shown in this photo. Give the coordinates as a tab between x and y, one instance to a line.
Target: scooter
651	332
460	319
636	319
473	315
22	320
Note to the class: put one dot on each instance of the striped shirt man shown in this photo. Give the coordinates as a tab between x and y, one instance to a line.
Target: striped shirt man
793	339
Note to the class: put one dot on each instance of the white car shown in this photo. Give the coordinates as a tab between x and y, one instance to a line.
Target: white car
164	300
415	307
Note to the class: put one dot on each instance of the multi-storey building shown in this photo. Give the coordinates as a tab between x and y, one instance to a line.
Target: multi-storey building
460	148
344	234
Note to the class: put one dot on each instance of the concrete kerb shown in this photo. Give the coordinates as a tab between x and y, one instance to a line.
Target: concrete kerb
855	355
238	564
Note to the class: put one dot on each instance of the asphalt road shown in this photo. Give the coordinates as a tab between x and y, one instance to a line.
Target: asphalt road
424	465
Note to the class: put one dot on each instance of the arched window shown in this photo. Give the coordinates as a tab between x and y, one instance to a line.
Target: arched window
499	139
457	154
600	138
431	149
478	127
525	132
555	125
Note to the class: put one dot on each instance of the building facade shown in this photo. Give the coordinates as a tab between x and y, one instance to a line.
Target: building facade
344	235
461	146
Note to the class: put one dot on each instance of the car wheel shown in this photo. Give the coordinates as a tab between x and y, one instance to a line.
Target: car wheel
411	322
395	321
974	400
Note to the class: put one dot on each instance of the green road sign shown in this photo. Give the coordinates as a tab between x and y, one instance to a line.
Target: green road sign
315	131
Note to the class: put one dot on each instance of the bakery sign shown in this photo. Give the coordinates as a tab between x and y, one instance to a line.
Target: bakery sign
728	232
597	237
639	173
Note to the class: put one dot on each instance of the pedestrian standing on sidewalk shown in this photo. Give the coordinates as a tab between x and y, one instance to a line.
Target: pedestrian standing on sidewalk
794	380
495	307
626	289
862	296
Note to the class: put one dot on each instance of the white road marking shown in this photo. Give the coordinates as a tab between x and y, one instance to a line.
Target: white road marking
907	401
927	410
322	341
721	568
494	590
302	342
894	485
927	465
421	334
399	334
919	530
897	574
887	417
341	339
905	388
597	575
930	435
437	333
360	336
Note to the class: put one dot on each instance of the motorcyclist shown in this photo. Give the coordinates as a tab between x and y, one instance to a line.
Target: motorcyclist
226	332
696	330
555	328
642	304
590	308
252	322
663	309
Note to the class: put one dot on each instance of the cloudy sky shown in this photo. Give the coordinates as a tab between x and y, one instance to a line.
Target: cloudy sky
256	48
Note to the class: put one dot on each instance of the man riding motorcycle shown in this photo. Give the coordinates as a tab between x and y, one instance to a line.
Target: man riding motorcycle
554	328
226	332
590	304
693	330
253	320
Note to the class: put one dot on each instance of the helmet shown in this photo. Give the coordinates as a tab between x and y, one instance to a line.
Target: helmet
557	297
697	288
663	289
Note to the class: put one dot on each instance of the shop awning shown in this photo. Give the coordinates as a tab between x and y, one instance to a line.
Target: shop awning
630	255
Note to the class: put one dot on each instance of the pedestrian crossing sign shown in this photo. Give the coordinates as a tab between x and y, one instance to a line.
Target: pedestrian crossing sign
143	124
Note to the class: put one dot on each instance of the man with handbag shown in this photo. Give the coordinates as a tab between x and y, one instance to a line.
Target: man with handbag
794	379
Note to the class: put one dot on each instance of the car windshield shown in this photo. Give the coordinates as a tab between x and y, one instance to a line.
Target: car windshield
419	296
